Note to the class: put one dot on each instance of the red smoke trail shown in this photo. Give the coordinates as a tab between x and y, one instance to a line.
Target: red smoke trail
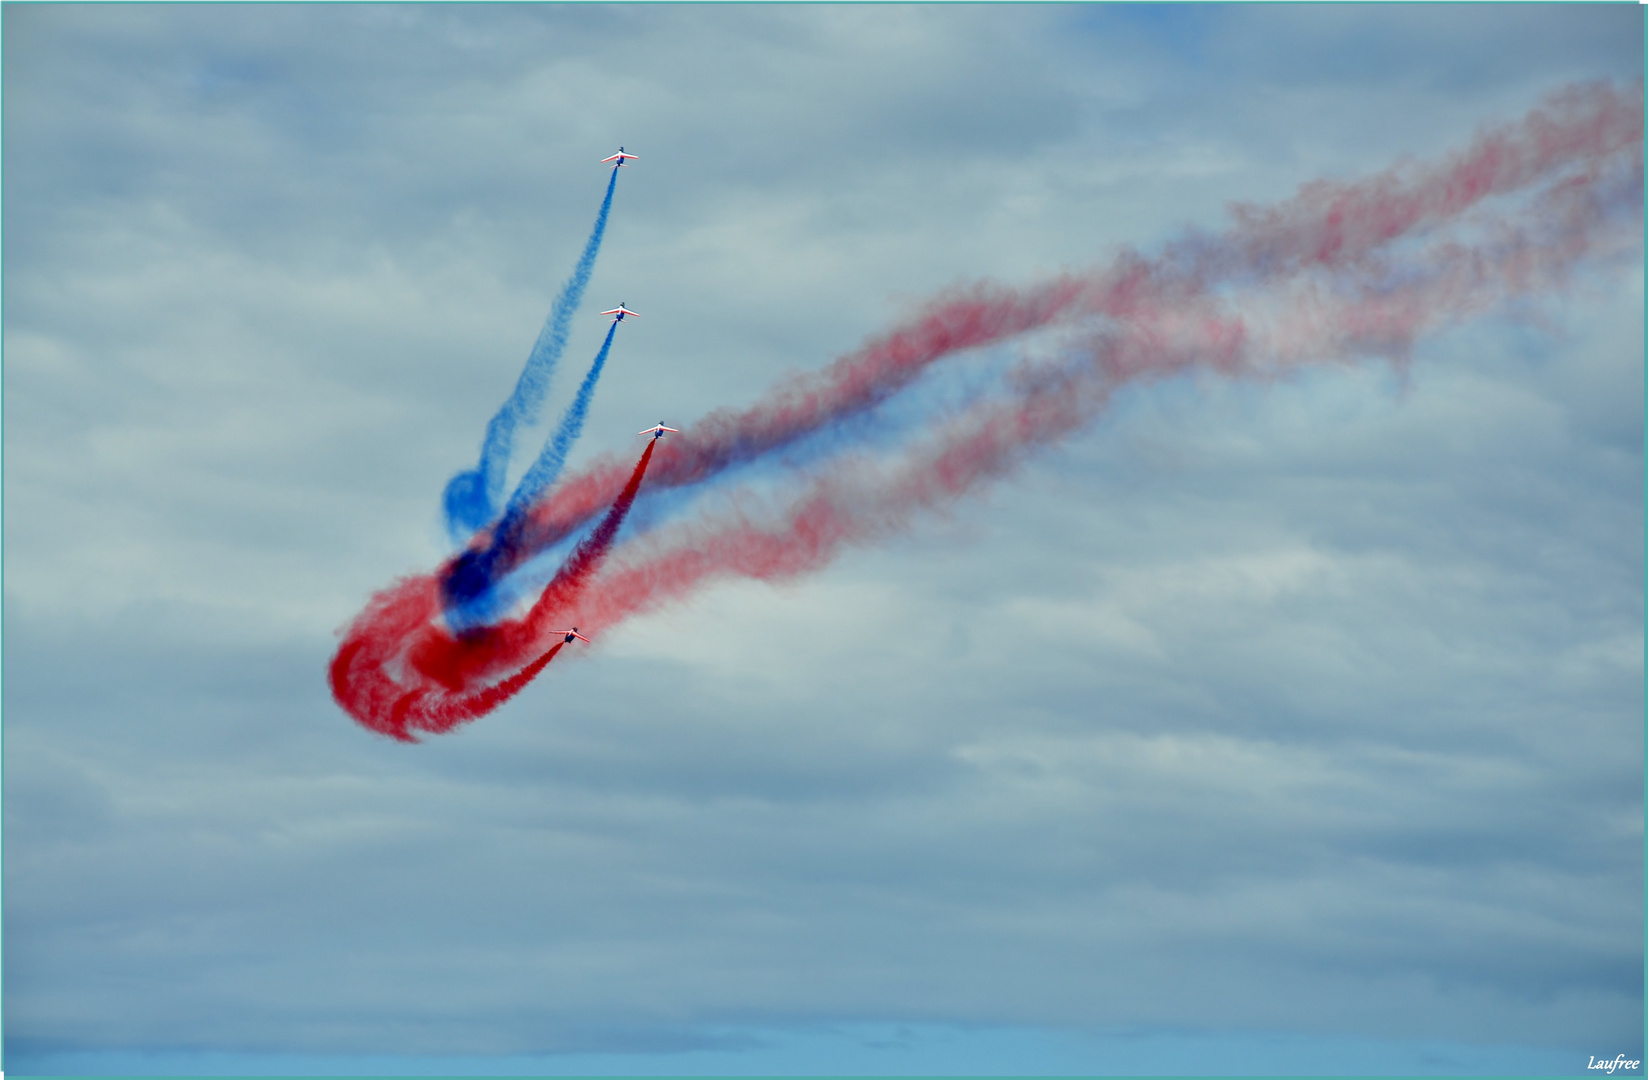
856	501
1330	222
979	315
1339	273
1336	227
399	670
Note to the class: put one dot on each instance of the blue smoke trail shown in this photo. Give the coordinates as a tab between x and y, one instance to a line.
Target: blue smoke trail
472	592
552	459
472	496
485	584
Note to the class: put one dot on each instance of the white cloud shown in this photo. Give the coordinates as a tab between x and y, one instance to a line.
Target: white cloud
1313	707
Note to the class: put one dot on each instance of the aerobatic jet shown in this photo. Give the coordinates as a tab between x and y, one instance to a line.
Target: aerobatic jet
658	432
619	312
568	635
619	158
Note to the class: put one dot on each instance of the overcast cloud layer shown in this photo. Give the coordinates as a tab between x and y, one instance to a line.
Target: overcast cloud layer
1311	709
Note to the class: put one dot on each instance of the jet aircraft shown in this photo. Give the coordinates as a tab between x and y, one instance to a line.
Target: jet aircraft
568	635
619	157
619	312
658	432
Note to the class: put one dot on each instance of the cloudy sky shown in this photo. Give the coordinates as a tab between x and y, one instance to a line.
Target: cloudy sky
1282	727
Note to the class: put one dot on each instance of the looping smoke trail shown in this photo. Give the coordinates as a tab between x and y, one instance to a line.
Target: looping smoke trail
1340	273
471	498
400	671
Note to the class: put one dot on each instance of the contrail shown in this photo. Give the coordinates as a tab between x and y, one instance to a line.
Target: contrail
471	498
1341	273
